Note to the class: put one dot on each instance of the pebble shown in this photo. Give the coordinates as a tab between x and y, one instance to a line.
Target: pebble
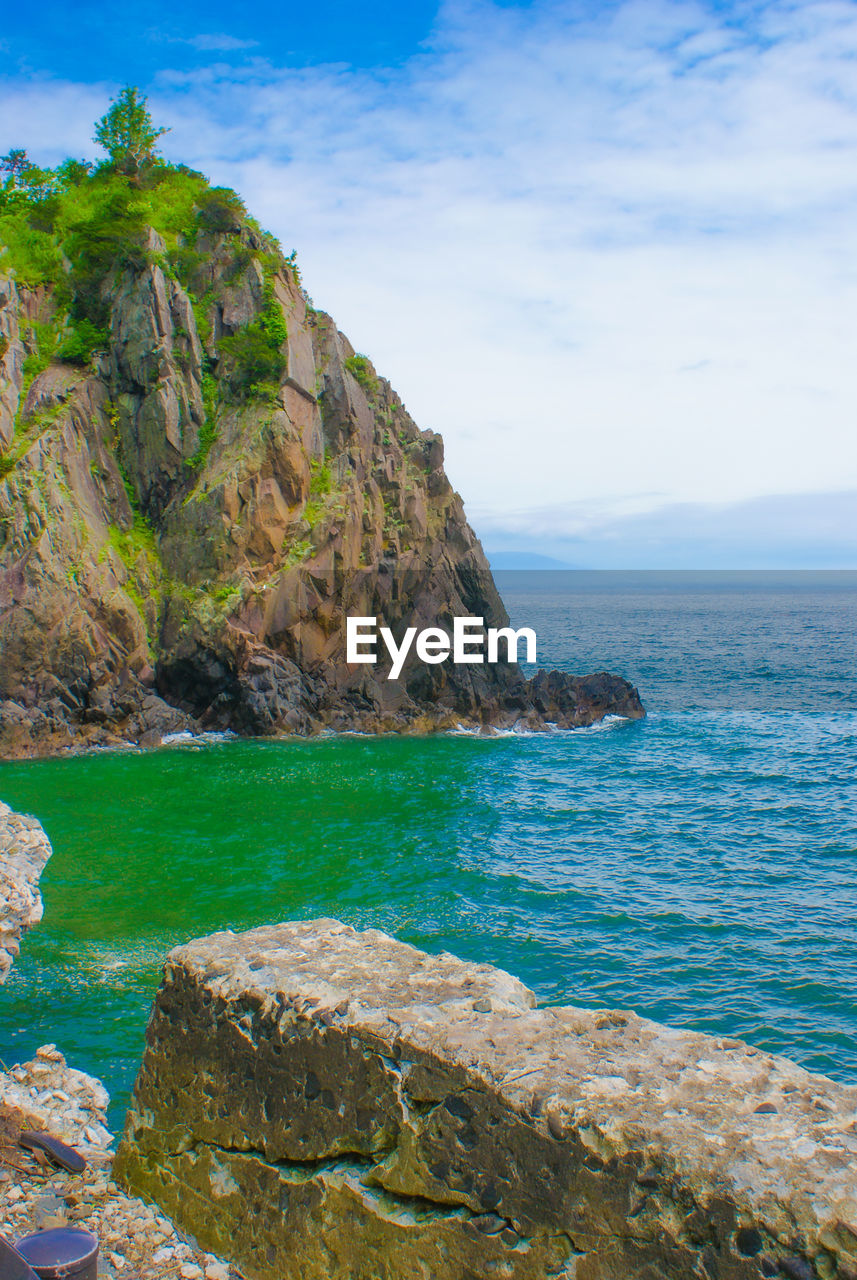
137	1241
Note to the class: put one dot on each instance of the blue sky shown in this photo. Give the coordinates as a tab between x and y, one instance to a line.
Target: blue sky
609	251
91	42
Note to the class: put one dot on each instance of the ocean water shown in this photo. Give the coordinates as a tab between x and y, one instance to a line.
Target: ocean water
699	866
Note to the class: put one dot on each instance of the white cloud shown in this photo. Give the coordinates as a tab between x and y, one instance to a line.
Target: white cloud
605	255
779	531
220	43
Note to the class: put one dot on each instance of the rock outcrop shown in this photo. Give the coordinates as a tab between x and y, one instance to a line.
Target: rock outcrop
321	1104
24	851
49	1096
188	513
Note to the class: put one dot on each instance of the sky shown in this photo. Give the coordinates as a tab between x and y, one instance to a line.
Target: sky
609	251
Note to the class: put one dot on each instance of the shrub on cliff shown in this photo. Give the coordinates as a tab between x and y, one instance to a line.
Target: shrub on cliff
358	366
221	210
252	363
81	342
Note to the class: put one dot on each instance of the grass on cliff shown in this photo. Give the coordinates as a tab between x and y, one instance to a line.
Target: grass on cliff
360	369
96	218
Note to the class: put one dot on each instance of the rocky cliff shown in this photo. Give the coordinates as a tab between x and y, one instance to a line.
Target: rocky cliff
199	478
385	1114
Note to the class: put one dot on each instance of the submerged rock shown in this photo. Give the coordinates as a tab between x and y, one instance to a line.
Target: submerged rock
323	1104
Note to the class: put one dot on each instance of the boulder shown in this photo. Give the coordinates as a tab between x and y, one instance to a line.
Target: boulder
323	1104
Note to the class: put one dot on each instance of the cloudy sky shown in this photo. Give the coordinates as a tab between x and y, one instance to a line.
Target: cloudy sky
608	250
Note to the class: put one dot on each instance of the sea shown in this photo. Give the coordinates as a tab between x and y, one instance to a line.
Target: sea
698	866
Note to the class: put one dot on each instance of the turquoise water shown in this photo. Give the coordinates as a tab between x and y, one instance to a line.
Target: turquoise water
699	866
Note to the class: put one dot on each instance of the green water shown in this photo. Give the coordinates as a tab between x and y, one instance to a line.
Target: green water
154	848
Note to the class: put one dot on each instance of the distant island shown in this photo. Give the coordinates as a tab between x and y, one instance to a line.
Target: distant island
200	478
525	560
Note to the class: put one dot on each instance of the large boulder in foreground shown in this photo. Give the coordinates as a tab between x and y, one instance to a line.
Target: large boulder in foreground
323	1104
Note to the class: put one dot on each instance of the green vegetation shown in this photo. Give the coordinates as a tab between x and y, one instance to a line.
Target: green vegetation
127	133
220	209
253	362
320	487
96	222
81	227
134	544
297	553
82	341
358	366
253	358
76	227
208	430
321	480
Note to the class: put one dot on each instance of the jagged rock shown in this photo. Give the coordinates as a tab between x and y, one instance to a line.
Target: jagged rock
321	1104
51	1097
155	517
24	851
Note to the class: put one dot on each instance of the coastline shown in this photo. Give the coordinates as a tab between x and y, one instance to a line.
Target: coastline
544	702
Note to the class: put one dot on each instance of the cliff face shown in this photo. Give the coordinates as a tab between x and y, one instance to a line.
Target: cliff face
195	493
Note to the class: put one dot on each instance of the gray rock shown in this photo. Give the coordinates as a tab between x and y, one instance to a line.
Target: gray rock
325	1104
24	851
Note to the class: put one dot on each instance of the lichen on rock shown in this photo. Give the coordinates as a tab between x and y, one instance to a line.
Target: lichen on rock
320	1103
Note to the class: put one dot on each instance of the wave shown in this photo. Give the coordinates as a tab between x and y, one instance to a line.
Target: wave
188	739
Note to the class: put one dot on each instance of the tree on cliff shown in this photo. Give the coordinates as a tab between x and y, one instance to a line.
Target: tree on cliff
15	163
127	132
23	179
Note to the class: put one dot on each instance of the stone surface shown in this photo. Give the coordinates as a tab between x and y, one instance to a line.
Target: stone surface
24	851
52	1097
332	1105
146	590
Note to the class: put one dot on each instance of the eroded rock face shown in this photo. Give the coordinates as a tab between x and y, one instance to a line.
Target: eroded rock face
24	851
178	554
331	1105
